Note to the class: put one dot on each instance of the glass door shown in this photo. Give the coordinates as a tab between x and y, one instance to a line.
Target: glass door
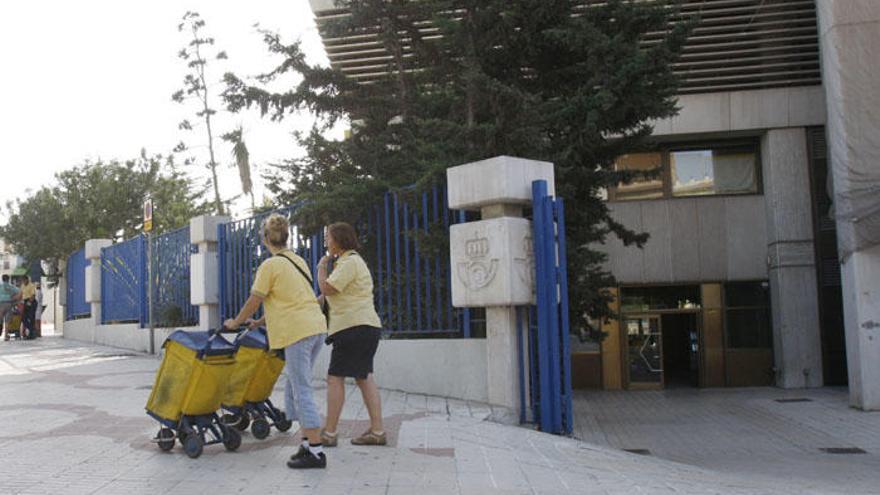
644	351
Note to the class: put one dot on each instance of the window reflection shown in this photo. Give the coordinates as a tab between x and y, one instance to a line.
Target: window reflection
640	188
718	171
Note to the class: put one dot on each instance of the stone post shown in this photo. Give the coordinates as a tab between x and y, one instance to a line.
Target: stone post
849	33
493	264
93	276
204	280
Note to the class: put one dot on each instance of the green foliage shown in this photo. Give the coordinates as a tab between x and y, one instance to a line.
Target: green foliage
542	79
99	200
198	53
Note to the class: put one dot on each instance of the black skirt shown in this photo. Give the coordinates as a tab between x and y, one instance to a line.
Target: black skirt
353	351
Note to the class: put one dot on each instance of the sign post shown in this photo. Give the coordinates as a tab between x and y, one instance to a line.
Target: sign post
148	229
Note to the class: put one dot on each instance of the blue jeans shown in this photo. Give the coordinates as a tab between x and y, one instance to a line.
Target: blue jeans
299	400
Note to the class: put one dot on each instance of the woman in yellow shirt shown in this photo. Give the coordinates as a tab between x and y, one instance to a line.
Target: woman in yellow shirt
294	322
354	330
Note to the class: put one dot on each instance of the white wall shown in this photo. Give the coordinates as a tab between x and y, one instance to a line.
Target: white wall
443	367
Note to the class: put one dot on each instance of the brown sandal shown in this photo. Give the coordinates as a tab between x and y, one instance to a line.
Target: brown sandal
370	438
328	440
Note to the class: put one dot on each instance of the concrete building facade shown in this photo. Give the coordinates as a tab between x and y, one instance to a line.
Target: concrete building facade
745	280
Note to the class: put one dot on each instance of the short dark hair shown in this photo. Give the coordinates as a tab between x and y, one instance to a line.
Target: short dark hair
5	278
344	235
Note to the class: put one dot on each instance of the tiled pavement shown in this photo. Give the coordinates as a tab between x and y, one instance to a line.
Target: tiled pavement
760	433
73	422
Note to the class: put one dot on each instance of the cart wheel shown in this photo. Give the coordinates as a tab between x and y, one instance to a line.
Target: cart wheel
260	428
229	419
283	424
166	439
193	445
243	423
181	437
231	439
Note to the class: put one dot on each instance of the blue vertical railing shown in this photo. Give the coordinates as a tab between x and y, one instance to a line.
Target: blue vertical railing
240	252
123	282
549	361
411	268
170	280
77	307
411	275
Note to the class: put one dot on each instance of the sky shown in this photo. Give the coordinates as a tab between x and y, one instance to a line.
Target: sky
93	79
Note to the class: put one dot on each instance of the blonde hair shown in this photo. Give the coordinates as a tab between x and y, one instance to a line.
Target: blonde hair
276	230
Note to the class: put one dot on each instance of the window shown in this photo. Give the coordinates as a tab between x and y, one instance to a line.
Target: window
747	319
6	264
687	171
643	299
640	187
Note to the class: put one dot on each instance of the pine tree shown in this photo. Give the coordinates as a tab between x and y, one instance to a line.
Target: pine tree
571	82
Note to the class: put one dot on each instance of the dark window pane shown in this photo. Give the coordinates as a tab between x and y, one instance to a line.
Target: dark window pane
714	171
635	299
640	188
747	294
749	328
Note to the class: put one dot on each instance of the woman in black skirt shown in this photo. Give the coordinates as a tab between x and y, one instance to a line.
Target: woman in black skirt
354	329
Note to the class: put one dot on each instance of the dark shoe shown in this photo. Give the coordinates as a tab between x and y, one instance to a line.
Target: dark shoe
329	440
299	453
370	438
309	461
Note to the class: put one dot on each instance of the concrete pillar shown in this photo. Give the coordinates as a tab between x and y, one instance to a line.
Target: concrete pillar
493	263
849	32
797	343
204	275
93	276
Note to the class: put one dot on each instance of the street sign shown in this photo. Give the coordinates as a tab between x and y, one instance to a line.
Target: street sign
148	215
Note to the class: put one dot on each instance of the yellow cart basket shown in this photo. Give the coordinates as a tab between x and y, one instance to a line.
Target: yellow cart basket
193	377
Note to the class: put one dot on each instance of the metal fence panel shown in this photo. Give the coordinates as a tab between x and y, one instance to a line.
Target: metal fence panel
123	273
77	307
404	242
240	253
170	280
408	238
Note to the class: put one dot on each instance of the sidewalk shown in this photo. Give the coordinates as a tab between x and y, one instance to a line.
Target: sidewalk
73	423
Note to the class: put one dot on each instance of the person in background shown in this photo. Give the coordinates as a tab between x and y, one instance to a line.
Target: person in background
9	295
293	320
354	330
29	297
38	311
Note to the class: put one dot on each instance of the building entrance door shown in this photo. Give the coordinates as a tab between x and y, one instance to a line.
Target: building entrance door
681	350
644	351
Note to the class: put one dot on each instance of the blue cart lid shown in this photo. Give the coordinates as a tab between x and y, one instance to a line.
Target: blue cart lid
256	339
202	342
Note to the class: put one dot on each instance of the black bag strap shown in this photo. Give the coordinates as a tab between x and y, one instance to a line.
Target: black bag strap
300	270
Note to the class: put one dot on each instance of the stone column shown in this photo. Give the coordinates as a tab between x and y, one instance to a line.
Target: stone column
493	262
849	32
204	274
93	276
797	342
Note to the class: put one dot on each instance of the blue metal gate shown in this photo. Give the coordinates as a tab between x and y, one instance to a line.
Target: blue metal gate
240	253
549	359
123	282
410	269
77	307
170	280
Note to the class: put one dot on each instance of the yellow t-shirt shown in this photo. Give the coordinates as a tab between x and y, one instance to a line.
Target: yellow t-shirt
28	291
291	307
353	305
